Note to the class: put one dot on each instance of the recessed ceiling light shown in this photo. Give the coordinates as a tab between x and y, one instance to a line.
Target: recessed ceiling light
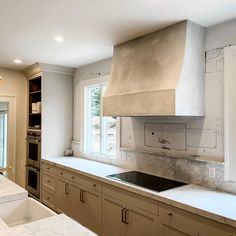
59	39
18	61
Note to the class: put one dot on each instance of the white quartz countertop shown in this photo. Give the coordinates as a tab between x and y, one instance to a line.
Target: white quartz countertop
218	206
9	191
54	225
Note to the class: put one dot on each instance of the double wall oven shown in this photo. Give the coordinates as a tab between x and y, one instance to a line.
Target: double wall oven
33	162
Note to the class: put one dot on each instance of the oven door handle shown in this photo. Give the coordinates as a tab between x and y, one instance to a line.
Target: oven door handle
33	141
32	168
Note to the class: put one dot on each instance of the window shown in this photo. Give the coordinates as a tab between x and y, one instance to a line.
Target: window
100	132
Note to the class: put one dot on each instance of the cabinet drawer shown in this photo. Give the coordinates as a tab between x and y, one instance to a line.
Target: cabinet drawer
49	169
89	184
48	199
134	201
65	174
175	216
49	182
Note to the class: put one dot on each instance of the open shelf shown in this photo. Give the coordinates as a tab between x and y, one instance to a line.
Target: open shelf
35	92
35	86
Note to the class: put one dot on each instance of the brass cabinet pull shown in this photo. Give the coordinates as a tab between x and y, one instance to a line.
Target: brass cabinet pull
126	216
66	188
170	214
82	196
123	215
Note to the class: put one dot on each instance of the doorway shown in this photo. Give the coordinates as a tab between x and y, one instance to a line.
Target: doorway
3	133
8	136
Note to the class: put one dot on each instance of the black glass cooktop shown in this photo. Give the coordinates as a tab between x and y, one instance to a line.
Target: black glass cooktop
147	181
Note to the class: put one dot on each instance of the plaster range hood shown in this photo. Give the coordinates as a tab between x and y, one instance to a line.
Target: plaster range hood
159	74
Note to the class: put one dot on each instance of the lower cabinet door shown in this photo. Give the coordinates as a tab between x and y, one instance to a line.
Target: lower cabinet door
174	229
92	211
62	196
141	223
112	221
77	210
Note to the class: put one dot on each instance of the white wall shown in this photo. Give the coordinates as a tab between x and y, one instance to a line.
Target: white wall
221	35
14	83
57	113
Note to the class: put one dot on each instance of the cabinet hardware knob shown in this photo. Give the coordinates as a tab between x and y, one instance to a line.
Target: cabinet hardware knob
61	173
94	185
48	198
48	181
72	177
170	214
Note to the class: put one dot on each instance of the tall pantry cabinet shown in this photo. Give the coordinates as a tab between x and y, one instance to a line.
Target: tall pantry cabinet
57	107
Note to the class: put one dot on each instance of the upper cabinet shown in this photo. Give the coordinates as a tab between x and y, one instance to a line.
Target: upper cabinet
51	89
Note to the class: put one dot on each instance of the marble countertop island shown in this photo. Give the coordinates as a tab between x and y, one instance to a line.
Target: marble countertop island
215	205
55	225
9	191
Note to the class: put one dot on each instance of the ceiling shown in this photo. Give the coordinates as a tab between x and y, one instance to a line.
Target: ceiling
90	28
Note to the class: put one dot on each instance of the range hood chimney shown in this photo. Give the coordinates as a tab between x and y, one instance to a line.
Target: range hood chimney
159	74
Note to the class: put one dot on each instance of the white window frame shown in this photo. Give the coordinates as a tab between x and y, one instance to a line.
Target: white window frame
83	86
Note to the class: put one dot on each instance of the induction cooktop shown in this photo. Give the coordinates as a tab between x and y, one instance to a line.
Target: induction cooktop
147	181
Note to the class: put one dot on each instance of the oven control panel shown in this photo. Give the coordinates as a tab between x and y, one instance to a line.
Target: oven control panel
34	134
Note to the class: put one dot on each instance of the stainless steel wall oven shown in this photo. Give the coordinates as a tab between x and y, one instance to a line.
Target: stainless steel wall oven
33	161
33	180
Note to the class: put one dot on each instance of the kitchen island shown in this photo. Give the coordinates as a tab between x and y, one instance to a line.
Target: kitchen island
10	191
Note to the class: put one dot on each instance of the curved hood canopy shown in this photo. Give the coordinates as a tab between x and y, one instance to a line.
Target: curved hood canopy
159	74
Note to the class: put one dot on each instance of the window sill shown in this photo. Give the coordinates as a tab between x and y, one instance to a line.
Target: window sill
96	156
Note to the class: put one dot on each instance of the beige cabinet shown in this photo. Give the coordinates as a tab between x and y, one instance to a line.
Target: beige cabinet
177	222
74	195
167	228
124	213
85	207
76	206
92	210
113	216
48	186
141	222
108	210
62	196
